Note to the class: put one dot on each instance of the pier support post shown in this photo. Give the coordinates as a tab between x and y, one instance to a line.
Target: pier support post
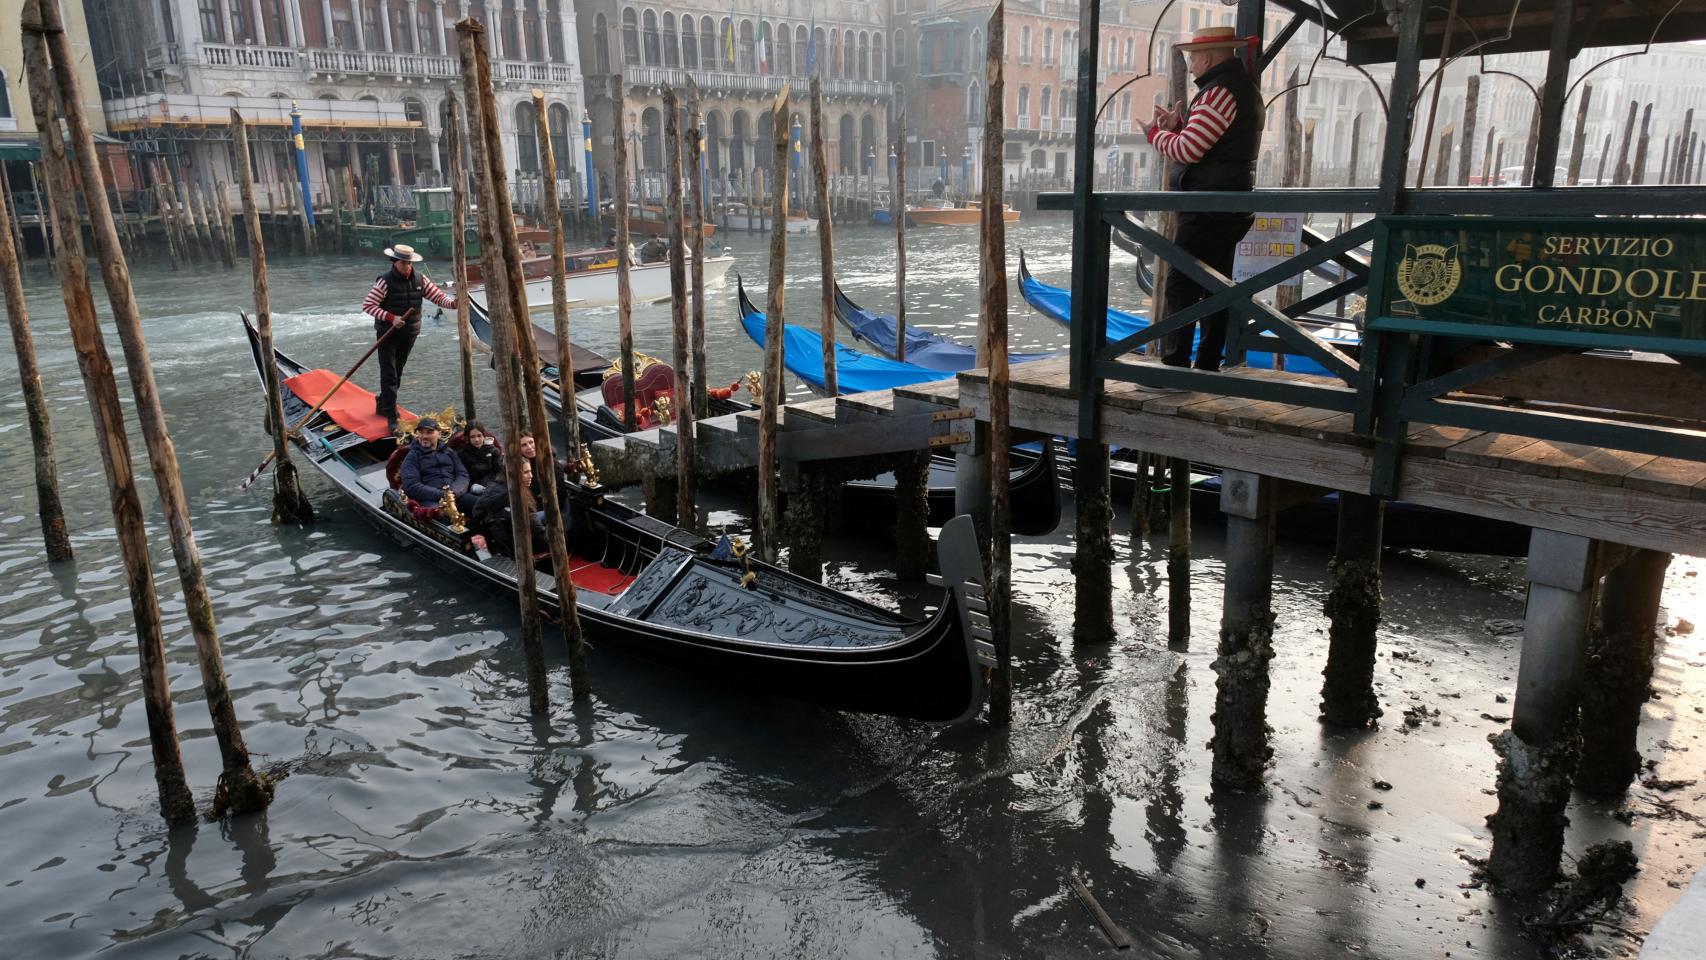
971	482
1353	606
912	515
660	493
1093	558
807	496
1619	670
1241	747
1538	754
1179	553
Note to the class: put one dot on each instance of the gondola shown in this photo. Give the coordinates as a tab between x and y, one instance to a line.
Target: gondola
1055	303
669	594
924	348
1035	488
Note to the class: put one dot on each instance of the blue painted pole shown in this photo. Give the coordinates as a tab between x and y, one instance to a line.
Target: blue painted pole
301	161
704	167
591	174
794	165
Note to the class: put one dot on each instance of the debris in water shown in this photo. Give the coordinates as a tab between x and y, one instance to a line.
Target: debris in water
1666	786
1381	785
1682	629
1496	718
1500	627
1596	889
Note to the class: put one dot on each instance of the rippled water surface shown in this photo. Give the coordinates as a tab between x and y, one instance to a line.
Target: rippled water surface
426	815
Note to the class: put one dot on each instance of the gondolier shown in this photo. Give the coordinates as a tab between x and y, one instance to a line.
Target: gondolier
1213	146
395	302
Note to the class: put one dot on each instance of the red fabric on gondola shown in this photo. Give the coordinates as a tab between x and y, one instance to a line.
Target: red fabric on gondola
351	407
591	575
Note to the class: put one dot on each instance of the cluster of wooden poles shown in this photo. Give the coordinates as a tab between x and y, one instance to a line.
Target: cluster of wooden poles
50	63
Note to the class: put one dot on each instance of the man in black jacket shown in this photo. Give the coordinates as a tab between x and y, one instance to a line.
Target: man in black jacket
395	302
1213	146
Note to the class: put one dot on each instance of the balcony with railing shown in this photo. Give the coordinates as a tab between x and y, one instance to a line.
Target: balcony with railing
250	57
374	63
638	78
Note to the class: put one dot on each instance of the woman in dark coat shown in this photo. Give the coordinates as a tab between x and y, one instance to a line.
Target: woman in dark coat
480	454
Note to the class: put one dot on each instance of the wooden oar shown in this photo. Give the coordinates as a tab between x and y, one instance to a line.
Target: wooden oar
261	468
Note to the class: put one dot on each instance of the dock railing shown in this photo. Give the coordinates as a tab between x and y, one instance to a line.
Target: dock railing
1471	372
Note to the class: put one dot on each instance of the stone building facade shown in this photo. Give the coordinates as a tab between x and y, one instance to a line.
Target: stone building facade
370	76
739	58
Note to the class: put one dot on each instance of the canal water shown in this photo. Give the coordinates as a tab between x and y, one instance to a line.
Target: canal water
425	815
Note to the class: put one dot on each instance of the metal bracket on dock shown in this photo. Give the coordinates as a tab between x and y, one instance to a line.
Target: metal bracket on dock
949	440
957	413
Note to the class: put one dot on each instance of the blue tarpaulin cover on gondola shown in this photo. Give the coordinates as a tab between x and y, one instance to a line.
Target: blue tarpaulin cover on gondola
924	348
1056	304
855	372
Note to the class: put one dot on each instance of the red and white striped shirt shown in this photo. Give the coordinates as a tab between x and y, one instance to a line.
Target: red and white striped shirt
1208	120
372	304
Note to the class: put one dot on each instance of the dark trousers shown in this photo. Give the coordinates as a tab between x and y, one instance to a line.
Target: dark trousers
393	356
1213	239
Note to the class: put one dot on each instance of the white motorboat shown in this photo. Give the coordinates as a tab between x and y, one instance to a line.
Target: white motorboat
591	280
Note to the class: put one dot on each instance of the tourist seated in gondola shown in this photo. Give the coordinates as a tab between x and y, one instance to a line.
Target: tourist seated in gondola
481	455
430	468
490	517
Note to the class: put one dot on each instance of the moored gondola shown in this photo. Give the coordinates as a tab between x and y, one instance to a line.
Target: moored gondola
667	593
925	348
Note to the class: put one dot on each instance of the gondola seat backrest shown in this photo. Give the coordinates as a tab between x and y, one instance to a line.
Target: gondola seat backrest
654	380
394	467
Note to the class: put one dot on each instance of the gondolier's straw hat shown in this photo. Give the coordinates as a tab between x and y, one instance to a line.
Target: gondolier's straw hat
1213	38
403	251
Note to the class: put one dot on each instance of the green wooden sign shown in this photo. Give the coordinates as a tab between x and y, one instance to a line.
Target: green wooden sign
1630	283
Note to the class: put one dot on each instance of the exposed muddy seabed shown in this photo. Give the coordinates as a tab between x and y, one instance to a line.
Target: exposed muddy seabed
426	816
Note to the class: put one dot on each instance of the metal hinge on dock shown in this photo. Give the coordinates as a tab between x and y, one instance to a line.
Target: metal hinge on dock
977	618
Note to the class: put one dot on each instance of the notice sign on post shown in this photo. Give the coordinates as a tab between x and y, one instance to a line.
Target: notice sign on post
1273	239
1632	283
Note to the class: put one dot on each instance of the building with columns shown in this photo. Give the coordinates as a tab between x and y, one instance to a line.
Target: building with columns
369	75
739	59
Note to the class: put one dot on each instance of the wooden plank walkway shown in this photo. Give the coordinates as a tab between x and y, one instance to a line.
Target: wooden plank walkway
1629	498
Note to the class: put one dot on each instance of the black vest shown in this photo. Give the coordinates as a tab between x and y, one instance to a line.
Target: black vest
403	293
1231	163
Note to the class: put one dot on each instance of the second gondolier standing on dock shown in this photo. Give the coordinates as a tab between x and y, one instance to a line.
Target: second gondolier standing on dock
1213	146
395	302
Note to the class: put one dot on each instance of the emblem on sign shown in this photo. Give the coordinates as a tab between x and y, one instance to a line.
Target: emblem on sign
1429	274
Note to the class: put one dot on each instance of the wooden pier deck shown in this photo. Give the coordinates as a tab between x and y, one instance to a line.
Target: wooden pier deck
1634	499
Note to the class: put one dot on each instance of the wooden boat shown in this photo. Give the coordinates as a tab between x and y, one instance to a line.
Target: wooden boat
945	213
743	217
647	220
925	348
591	279
669	594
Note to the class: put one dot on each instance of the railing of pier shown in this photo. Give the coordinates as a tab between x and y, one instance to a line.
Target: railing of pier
1409	371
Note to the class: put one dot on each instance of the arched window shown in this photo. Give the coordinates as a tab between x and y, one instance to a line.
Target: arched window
554	32
864	55
974	102
849	53
802	44
784	51
650	25
531	33
651	139
671	43
829	57
715	155
526	137
726	37
848	149
740	131
5	99
1048	47
867	144
1047	105
879	70
689	43
601	44
561	141
764	147
900	48
747	62
371	30
977	51
1024	108
1130	53
1025	45
630	36
707	43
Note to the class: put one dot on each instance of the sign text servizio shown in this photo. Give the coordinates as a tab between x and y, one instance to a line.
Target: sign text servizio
1621	278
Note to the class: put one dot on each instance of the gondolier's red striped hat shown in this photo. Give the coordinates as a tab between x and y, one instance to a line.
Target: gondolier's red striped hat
1214	38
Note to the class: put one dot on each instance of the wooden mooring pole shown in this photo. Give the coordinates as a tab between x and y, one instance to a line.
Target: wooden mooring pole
1578	141
176	804
686	463
825	243
499	294
624	258
568	417
1623	172
289	504
897	210
1619	672
1353	610
227	231
1471	117
240	789
49	508
455	136
768	535
696	230
992	281
1240	744
1638	176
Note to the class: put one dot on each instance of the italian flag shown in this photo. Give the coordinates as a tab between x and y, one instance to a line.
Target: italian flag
763	48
